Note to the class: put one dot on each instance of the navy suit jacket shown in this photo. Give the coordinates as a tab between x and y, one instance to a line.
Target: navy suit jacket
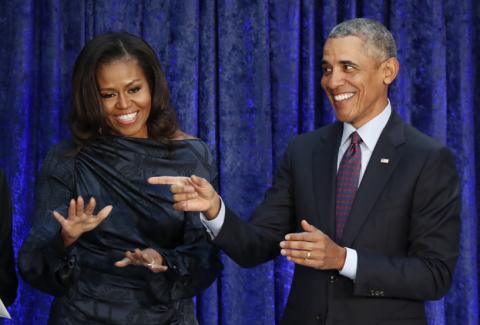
8	278
404	224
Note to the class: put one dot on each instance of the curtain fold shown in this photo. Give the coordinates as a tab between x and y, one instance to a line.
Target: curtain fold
245	77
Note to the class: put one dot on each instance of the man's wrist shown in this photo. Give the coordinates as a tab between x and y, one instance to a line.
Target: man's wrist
212	213
349	269
342	256
214	225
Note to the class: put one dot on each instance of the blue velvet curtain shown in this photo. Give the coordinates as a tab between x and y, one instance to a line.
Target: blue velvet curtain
245	77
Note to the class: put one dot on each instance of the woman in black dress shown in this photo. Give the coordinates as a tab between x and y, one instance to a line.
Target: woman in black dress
105	243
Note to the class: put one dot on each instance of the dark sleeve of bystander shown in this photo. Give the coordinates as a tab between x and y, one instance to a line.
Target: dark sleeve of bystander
8	278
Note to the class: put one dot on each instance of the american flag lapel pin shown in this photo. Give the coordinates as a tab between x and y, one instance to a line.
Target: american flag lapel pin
384	161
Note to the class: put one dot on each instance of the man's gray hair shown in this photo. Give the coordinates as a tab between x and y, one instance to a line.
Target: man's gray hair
376	36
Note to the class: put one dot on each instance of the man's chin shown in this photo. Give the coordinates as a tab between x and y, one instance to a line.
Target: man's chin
341	116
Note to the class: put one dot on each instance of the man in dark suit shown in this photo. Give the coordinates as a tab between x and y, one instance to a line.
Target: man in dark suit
367	208
8	278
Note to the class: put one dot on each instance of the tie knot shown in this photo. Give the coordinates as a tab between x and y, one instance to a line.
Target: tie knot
355	138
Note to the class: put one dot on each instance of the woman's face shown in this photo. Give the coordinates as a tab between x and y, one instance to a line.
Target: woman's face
125	96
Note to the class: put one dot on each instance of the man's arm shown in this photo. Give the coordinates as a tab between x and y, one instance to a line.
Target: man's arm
247	243
425	273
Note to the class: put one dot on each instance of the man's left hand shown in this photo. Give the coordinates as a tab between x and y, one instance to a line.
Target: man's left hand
313	248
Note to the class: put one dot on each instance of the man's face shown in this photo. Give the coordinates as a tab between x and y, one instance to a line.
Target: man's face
355	82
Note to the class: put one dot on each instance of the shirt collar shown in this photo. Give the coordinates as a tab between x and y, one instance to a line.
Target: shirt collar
370	131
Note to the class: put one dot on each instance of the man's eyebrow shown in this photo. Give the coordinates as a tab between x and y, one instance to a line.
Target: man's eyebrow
347	62
342	62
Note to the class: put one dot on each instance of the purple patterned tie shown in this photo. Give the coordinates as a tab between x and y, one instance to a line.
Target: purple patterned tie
347	182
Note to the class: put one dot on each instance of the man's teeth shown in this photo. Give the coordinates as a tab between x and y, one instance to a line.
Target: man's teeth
343	96
127	117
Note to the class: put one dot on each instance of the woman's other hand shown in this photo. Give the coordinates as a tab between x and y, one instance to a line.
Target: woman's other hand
148	258
80	219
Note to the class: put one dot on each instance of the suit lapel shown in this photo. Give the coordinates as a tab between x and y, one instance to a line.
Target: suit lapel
325	164
376	175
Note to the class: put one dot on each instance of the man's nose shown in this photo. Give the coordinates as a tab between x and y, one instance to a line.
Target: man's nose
335	79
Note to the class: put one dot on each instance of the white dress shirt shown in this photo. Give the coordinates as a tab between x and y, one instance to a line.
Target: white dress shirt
369	133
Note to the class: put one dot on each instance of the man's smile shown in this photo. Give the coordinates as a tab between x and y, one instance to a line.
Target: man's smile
343	96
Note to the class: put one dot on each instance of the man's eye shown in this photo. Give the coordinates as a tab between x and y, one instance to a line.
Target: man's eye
107	95
349	68
326	70
134	90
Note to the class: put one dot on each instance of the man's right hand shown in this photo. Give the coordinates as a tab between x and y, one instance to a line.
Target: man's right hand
191	194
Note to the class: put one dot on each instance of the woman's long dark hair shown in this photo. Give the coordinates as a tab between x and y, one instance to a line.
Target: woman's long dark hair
87	119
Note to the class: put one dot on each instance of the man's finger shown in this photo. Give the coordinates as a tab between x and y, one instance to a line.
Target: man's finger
295	253
308	227
302	261
184	197
181	188
303	236
167	180
184	206
295	244
199	181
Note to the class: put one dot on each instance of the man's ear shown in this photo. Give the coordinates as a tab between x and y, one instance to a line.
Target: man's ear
391	67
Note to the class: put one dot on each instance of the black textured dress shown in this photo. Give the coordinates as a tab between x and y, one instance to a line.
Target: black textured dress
87	286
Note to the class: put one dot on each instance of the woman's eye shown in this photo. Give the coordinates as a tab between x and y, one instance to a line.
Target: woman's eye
134	90
107	95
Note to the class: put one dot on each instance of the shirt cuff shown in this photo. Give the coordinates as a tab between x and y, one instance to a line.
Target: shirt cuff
349	269
215	225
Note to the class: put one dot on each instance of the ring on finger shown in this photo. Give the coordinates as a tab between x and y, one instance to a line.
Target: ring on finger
152	265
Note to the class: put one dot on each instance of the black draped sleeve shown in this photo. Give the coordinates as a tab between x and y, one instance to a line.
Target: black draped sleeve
43	260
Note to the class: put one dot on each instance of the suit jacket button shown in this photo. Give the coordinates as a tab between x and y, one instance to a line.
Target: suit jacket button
332	278
318	317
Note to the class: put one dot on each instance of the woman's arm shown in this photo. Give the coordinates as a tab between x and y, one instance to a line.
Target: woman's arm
44	261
